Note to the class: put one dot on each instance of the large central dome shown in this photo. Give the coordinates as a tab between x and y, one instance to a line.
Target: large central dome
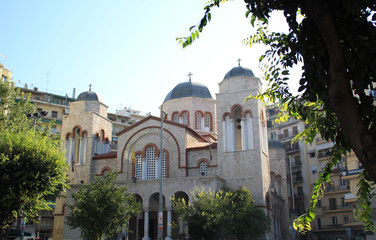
188	89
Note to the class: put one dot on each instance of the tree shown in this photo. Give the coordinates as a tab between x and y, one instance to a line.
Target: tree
336	43
32	167
101	208
223	214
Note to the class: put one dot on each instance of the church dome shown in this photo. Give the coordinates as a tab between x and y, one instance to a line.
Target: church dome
239	71
89	96
188	89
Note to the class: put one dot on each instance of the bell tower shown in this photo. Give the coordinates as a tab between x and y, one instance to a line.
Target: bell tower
242	133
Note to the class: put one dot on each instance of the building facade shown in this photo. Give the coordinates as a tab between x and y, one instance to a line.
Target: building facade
207	144
335	210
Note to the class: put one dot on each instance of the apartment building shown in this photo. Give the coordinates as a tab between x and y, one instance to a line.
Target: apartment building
334	216
5	74
296	159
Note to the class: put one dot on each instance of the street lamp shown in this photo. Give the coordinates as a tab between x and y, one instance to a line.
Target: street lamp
35	116
160	209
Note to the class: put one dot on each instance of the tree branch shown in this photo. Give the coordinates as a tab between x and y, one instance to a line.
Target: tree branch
339	89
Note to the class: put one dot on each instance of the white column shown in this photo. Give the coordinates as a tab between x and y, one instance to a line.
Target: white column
224	132
244	134
248	119
71	150
232	135
79	150
146	226
84	144
169	224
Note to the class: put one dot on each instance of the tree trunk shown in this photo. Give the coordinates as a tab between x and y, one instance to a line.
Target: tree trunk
339	90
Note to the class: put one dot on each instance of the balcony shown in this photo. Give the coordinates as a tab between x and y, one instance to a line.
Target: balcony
296	168
293	149
298	195
337	189
298	179
323	155
336	209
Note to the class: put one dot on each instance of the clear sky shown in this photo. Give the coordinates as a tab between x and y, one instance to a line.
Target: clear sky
125	49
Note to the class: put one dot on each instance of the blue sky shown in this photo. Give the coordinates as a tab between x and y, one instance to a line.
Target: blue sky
125	49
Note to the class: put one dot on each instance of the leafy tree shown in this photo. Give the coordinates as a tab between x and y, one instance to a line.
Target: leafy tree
223	214
336	43
32	167
101	208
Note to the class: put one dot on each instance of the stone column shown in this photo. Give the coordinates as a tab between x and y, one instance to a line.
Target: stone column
146	226
169	223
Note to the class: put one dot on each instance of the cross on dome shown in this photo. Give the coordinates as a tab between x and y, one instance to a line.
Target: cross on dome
239	61
90	87
190	74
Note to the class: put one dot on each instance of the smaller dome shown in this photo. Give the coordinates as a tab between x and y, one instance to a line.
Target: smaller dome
275	144
239	71
89	96
188	89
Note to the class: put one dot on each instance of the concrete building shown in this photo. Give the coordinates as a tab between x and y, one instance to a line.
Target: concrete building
5	74
334	215
206	143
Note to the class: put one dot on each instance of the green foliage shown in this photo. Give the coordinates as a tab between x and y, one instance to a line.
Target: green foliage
363	211
223	214
336	43
32	167
101	208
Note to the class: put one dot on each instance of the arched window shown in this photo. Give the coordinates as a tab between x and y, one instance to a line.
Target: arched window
76	146
207	122
175	117
198	120
97	141
138	167
68	153
203	169
272	180
185	118
228	136
147	168
102	142
150	163
248	131
82	152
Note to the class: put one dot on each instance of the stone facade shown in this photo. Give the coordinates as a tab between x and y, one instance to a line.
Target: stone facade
207	144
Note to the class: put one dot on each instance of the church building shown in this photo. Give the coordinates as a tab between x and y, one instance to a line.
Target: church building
207	143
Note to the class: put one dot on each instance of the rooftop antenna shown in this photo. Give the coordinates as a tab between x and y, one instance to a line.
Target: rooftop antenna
3	57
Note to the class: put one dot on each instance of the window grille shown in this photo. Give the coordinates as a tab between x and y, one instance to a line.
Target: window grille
164	165
150	163
185	118
198	121
203	169
138	167
207	121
